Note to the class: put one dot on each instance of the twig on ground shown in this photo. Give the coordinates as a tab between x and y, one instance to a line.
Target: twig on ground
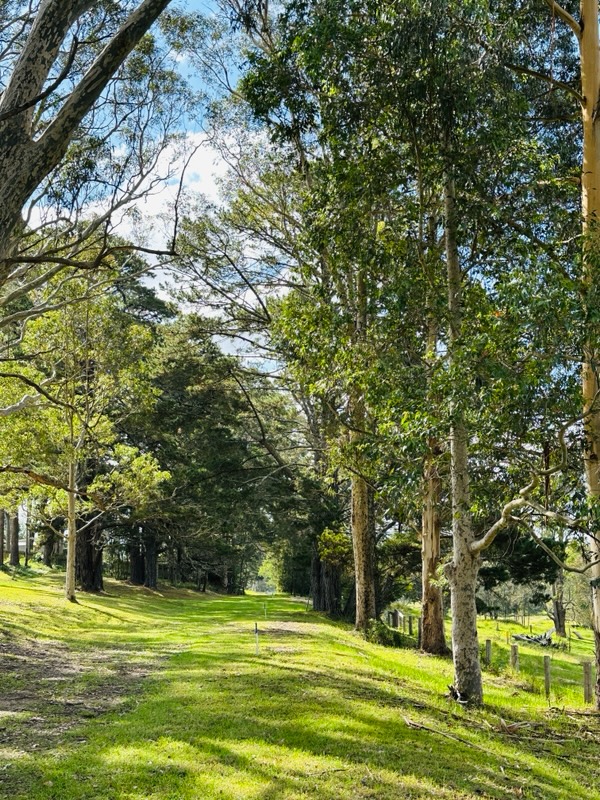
418	726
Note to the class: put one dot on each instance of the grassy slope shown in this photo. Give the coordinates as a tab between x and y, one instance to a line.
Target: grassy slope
318	714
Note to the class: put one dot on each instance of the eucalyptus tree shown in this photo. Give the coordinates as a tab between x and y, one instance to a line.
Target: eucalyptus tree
585	30
565	116
478	110
57	59
343	256
354	189
420	89
331	269
91	118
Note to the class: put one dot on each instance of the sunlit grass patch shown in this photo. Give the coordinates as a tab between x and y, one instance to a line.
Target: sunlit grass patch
318	713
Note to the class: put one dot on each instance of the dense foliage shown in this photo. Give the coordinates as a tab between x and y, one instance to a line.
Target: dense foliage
367	382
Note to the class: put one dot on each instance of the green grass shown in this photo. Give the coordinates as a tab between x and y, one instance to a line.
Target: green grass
319	713
566	670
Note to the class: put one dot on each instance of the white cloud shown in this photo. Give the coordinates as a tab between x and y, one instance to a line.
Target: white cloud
190	167
149	220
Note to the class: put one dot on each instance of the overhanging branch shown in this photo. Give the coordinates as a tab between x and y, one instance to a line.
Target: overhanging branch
549	552
533	73
561	13
524	500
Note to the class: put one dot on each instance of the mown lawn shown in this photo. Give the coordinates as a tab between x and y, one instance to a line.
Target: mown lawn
134	695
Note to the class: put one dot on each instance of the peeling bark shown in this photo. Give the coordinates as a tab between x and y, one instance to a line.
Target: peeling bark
433	639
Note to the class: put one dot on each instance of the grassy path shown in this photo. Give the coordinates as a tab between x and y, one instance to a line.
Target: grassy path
136	696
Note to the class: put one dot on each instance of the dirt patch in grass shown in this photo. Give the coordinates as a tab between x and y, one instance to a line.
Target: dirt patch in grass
279	628
48	689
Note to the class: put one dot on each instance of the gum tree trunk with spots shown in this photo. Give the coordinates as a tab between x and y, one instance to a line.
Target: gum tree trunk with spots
26	159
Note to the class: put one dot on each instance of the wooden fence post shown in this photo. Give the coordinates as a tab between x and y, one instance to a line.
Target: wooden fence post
547	676
514	657
410	625
588	695
395	619
488	651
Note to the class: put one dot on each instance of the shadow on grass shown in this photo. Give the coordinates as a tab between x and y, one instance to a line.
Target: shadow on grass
226	724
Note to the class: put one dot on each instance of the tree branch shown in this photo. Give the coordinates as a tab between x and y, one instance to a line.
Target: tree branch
549	552
36	477
560	12
26	401
283	466
38	388
525	500
12	112
85	94
533	73
505	519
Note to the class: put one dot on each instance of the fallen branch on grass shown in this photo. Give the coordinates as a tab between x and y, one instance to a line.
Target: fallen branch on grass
420	727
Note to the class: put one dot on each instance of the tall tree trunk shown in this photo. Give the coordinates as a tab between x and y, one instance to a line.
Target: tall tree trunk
151	559
463	570
6	534
331	588
590	197
2	529
71	536
13	526
433	638
559	614
48	548
363	545
28	533
88	560
316	589
325	585
136	564
363	539
349	610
